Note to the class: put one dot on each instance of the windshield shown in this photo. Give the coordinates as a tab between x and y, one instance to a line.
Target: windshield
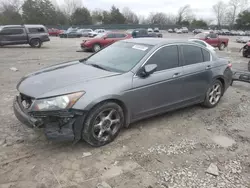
200	35
119	57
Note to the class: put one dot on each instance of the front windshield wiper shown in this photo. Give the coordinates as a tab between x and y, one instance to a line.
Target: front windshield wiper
97	66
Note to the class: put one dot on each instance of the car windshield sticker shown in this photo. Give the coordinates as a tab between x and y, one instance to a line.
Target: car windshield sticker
140	47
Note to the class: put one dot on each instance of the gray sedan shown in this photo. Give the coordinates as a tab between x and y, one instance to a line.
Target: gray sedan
93	98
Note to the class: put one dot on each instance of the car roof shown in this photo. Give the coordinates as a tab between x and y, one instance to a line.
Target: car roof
156	41
28	26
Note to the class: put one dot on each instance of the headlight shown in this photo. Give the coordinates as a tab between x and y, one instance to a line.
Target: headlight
57	103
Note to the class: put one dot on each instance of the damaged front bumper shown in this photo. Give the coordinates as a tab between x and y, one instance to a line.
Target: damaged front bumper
64	125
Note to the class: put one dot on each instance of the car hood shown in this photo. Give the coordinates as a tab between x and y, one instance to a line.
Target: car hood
60	76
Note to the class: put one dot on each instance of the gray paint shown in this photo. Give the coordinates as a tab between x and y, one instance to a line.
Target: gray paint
143	97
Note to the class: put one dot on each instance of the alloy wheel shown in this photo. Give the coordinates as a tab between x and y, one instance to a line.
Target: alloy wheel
215	94
106	124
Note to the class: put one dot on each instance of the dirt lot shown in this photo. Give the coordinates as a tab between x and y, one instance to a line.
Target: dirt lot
171	150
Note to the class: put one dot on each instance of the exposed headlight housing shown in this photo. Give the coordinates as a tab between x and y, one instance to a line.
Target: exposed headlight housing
56	103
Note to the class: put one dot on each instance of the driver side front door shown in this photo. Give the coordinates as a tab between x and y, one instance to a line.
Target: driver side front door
160	91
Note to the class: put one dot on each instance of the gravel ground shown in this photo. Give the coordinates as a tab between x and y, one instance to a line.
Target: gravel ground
191	147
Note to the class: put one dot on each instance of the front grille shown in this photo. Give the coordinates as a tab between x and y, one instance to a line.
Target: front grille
25	101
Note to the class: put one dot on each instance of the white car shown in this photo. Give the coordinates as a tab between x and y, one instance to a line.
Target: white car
203	43
150	30
243	39
96	32
179	31
184	30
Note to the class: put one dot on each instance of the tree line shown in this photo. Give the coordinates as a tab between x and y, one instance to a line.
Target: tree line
72	12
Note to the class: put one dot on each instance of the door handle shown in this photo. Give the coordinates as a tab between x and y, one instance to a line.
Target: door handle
176	74
208	67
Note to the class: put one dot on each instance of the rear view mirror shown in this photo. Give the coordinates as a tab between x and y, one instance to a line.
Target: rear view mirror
147	70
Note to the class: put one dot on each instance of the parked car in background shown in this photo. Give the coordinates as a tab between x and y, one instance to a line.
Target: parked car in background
233	32
247	33
179	31
225	32
203	43
157	31
34	35
141	33
102	40
84	32
213	39
175	29
243	39
54	32
94	98
184	30
70	32
241	33
197	31
170	30
96	32
150	30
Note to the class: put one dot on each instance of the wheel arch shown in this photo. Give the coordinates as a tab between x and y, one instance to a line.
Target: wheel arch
117	100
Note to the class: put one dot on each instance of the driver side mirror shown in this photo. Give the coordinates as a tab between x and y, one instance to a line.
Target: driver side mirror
147	70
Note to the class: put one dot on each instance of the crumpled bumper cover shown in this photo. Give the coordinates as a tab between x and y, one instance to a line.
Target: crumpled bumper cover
58	126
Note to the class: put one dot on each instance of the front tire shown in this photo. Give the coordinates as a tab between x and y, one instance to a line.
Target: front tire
214	94
103	124
96	47
36	43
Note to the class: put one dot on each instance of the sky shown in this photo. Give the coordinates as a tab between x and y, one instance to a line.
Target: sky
201	8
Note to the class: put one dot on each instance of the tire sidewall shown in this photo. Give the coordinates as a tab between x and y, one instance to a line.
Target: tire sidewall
222	46
94	47
207	102
35	46
89	121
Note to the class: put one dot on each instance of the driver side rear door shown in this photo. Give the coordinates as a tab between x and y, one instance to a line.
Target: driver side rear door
108	39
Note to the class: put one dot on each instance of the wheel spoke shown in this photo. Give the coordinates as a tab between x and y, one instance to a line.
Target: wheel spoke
110	114
211	100
100	134
216	88
99	126
218	93
115	121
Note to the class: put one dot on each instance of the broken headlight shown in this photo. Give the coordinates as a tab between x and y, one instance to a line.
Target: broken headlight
56	103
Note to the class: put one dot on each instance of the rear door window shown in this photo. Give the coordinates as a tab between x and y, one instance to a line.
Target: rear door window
111	36
206	55
192	54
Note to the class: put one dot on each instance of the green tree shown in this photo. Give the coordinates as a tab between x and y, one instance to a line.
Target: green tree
9	12
116	16
106	17
39	12
97	16
243	20
81	16
198	23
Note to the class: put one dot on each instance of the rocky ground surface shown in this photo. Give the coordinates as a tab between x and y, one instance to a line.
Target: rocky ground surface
192	147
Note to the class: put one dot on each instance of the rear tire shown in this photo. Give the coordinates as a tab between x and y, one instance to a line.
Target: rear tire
213	94
222	46
36	43
103	124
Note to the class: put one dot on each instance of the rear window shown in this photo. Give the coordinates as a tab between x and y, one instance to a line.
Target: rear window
206	55
37	30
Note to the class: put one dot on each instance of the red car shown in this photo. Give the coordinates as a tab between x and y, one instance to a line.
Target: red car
213	39
103	40
54	32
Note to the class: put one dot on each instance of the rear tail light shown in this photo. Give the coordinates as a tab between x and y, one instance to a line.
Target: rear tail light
229	65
